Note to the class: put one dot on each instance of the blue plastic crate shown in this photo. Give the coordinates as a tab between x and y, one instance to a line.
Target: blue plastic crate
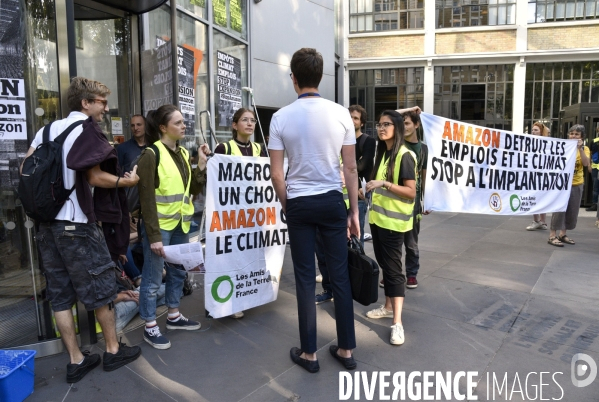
16	374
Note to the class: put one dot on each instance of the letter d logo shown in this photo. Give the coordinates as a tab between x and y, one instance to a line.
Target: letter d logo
580	370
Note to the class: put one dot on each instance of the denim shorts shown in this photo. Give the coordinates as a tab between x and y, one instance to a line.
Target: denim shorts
77	265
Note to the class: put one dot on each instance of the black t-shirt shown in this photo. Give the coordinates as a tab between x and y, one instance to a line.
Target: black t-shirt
406	170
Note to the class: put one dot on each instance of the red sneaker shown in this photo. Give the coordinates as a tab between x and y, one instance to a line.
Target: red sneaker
412	282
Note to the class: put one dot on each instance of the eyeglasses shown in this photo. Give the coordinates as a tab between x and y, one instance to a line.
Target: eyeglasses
248	120
102	101
291	75
383	125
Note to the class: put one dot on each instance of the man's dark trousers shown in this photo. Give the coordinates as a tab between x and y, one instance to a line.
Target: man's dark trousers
322	263
327	214
410	240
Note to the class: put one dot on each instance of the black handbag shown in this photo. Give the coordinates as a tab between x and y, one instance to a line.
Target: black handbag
363	273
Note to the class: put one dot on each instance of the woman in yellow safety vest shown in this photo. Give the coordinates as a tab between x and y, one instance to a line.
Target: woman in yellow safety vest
166	208
393	191
244	123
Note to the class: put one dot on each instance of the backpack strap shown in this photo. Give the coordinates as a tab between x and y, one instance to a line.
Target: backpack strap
46	133
361	142
154	149
63	136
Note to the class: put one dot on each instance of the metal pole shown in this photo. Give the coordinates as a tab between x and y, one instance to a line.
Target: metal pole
174	51
29	226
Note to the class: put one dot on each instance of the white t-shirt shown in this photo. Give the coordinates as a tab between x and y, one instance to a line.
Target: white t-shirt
70	211
312	131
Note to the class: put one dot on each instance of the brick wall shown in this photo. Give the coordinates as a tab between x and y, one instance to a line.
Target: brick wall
386	46
563	38
475	42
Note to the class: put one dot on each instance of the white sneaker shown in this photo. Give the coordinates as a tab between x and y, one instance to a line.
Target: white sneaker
535	225
380	312
367	236
397	335
237	315
319	279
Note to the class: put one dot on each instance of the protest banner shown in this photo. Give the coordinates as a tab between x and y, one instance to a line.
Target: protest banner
246	233
228	87
484	170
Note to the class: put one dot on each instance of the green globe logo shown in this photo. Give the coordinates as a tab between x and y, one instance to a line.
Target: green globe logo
215	286
515	202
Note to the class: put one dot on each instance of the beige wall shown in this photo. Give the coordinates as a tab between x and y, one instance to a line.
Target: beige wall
563	37
386	46
475	42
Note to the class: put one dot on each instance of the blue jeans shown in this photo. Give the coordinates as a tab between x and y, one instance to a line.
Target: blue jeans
125	311
324	213
130	268
151	274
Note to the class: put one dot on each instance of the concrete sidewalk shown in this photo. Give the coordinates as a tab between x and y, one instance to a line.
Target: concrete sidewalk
492	298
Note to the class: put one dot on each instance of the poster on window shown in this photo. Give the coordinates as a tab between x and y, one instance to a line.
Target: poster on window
219	9
158	80
228	86
13	113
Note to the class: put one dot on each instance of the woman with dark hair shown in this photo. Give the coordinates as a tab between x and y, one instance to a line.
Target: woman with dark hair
244	123
538	221
165	187
393	191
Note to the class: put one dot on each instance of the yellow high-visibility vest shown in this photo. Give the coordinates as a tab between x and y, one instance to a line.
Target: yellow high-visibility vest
231	148
173	202
595	165
391	211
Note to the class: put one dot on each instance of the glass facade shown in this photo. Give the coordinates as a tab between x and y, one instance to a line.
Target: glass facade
550	87
480	95
385	15
377	90
562	10
470	13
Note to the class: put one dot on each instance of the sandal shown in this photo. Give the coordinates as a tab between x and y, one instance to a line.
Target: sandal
554	241
565	239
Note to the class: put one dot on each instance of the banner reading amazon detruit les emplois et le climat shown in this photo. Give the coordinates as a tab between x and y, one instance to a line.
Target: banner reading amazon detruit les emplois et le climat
484	170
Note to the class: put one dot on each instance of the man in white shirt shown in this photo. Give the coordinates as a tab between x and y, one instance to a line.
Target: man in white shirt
76	261
314	132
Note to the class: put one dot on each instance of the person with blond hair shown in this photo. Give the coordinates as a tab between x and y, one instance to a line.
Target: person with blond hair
73	250
538	222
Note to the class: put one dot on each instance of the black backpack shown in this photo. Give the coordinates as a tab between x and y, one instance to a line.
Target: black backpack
132	192
41	188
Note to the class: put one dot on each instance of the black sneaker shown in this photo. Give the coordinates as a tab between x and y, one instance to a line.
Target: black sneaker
155	338
183	323
593	207
75	372
125	355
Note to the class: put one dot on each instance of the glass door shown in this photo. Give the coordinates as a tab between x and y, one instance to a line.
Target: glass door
103	49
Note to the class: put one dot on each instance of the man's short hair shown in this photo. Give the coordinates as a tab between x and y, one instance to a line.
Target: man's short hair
307	67
361	110
83	88
414	117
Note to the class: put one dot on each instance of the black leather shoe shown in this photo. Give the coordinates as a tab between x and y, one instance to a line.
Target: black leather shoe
348	362
125	355
309	365
593	207
75	372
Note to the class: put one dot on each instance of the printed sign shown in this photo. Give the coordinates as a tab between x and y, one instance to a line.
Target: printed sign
488	171
246	233
228	87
